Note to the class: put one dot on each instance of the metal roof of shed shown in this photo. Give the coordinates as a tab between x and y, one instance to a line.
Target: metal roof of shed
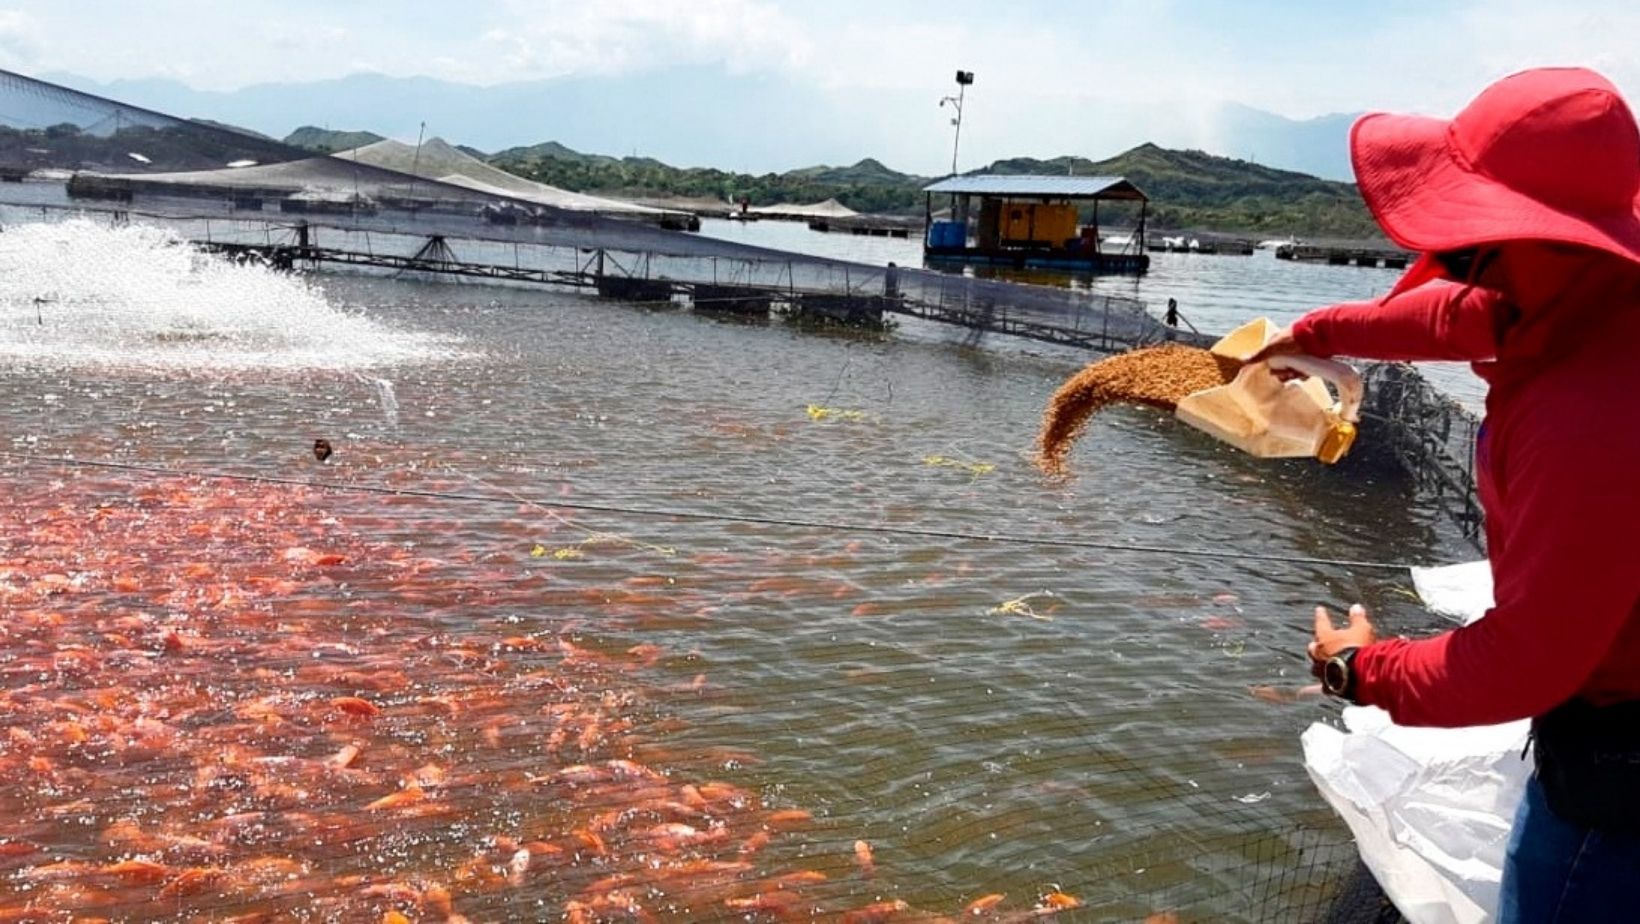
1060	187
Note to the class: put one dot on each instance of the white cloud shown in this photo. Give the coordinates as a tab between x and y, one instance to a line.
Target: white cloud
19	41
1150	69
559	37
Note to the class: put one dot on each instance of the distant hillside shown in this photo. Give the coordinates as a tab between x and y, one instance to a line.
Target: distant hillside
552	150
1189	190
867	172
867	186
232	128
1193	190
326	141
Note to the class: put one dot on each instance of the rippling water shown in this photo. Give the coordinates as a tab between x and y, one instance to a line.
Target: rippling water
1215	292
1108	747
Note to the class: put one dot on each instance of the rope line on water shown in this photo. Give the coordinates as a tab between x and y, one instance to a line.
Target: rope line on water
908	531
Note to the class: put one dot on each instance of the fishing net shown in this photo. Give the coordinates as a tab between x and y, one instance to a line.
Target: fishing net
1432	436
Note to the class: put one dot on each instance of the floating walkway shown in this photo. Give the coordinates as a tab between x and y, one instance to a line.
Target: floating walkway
605	274
1345	256
867	226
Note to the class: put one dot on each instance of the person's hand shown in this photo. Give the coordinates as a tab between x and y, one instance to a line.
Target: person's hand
1282	343
1330	641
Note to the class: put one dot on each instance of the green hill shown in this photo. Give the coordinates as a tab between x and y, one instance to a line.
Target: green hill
1188	190
867	186
868	172
552	150
326	141
1199	191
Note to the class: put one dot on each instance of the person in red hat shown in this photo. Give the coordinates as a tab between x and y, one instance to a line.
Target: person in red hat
1526	210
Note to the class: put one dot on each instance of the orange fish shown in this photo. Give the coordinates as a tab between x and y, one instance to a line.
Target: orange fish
756	842
1055	902
863	856
985	904
138	870
353	705
875	912
438	898
787	818
777	902
191	881
409	795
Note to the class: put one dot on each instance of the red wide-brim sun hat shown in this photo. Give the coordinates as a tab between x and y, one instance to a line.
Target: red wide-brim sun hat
1551	154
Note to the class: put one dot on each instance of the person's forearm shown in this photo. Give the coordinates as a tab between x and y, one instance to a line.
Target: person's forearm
1565	582
1441	321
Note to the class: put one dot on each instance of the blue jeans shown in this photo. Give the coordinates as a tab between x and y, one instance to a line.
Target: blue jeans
1559	872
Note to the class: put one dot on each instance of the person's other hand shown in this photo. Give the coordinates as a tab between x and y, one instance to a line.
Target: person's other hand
1330	641
1282	343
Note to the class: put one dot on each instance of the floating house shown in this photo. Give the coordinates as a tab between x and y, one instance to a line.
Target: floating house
1033	221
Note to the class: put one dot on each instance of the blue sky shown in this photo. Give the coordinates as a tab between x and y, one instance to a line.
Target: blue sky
1046	71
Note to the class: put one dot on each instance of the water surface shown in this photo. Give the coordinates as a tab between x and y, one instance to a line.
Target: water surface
1107	746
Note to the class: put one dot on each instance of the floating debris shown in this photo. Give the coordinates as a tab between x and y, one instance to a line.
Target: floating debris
817	412
975	469
1021	606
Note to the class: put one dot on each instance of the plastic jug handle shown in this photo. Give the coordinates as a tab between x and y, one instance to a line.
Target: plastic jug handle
1344	380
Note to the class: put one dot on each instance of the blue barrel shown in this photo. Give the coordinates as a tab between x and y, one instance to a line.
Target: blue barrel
946	233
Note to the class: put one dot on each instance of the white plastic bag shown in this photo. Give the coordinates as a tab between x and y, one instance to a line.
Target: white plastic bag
1431	809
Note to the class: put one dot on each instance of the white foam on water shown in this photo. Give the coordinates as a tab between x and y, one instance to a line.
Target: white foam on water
82	293
387	397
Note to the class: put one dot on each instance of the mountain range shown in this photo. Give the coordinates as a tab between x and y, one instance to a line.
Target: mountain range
754	123
1189	190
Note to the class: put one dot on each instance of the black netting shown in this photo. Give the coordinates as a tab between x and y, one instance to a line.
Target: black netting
1431	435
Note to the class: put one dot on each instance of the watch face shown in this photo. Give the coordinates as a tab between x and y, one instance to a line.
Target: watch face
1335	676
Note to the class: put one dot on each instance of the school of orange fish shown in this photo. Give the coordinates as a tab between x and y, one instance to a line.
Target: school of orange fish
226	701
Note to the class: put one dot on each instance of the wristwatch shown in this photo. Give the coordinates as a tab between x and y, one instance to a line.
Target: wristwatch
1338	674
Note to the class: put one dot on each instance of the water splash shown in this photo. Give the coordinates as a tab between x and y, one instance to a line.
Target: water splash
387	398
82	293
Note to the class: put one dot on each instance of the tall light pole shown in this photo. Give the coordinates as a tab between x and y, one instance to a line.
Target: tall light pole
964	79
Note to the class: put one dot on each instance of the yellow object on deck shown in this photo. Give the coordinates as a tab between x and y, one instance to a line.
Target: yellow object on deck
1037	222
1260	414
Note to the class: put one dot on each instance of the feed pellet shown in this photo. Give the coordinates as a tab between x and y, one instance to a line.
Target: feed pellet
1157	376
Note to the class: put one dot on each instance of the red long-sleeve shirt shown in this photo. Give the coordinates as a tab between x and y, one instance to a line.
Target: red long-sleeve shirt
1558	467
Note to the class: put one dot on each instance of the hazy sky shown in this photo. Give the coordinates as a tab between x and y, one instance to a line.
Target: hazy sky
1299	59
